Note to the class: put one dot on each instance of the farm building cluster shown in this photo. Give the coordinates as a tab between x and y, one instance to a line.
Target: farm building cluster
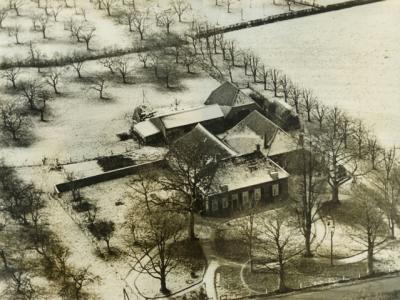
253	152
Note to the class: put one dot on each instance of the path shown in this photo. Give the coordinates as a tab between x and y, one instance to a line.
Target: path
369	290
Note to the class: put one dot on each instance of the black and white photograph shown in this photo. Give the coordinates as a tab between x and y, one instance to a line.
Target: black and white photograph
199	149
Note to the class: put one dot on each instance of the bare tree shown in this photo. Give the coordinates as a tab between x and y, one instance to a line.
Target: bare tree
139	22
14	119
77	280
109	63
166	19
374	150
275	75
308	188
103	230
21	284
11	75
14	31
330	142
154	232
109	4
232	52
265	75
29	91
286	85
276	237
254	60
87	34
387	183
248	232
193	170
368	222
55	11
308	103
180	6
169	71
123	68
16	5
143	57
320	112
53	78
188	59
41	102
3	15
99	85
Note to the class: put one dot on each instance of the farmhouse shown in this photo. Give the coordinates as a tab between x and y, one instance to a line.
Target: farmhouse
242	181
234	103
172	125
255	129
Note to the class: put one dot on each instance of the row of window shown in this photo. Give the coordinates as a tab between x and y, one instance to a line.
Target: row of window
256	195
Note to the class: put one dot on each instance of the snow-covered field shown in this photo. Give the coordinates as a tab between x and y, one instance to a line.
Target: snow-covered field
350	58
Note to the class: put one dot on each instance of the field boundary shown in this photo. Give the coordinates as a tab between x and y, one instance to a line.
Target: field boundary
286	16
106	176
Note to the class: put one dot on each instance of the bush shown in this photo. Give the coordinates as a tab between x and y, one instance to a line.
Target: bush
115	162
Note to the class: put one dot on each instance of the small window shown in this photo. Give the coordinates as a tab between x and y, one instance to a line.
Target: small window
225	203
257	194
245	198
235	197
214	204
275	190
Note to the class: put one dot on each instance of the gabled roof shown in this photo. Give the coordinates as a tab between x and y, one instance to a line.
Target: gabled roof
255	129
214	145
228	94
244	171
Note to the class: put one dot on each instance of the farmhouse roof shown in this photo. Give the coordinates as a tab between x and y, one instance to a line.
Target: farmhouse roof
247	170
229	95
214	146
256	129
191	116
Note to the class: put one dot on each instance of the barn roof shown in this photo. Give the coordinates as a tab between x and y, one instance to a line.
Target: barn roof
191	116
255	129
229	95
213	145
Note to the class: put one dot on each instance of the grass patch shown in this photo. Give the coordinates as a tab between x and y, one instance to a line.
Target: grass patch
231	249
190	255
301	273
114	162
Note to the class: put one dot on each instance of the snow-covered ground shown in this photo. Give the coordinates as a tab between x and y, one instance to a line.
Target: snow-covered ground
81	126
349	58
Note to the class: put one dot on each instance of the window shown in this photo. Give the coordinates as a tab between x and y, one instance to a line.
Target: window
257	194
275	190
207	205
225	203
235	197
214	204
245	198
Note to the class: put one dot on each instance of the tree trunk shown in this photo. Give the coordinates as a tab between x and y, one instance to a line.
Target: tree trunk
108	246
163	281
335	194
191	234
307	236
281	280
370	260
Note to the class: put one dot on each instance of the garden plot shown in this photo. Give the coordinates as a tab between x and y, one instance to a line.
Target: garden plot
359	73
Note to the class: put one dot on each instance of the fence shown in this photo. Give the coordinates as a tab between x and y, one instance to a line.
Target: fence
285	16
106	176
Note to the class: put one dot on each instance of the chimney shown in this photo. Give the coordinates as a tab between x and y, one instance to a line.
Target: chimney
274	175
